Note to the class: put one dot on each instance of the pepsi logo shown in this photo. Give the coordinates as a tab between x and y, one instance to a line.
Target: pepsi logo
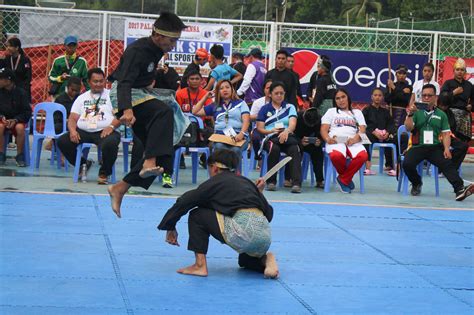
305	64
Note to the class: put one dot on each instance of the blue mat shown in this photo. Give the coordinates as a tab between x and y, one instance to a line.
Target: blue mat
68	254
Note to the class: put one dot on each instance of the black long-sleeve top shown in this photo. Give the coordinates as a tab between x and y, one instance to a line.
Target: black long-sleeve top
137	69
14	104
459	101
22	72
289	80
325	89
225	193
312	84
378	118
303	130
397	97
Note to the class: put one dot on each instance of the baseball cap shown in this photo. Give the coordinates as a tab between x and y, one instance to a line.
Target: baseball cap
70	40
202	53
6	73
401	68
255	52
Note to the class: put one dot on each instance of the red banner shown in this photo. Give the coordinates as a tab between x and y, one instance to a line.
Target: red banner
448	69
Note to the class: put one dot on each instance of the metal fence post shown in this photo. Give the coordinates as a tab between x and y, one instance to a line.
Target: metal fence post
103	61
272	45
434	55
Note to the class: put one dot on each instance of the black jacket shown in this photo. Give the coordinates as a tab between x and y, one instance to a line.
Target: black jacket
325	89
14	104
168	80
225	193
137	69
459	101
397	97
289	80
22	72
378	118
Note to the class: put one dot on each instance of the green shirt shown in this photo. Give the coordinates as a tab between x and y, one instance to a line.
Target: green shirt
60	66
435	121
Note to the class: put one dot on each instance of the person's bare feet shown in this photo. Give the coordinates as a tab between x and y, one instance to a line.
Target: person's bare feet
116	195
152	171
271	267
194	270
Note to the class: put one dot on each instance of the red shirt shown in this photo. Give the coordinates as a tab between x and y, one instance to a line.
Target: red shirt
187	99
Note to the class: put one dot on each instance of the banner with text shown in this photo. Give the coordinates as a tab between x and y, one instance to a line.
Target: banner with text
356	71
197	35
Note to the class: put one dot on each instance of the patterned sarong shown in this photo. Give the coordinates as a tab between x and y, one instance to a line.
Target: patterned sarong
248	231
463	122
139	96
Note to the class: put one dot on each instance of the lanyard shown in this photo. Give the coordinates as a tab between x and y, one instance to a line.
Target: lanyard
17	62
226	115
96	109
192	102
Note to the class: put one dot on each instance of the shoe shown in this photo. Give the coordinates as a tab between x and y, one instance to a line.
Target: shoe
203	161
102	179
271	187
320	185
20	160
416	189
465	192
344	188
3	158
287	183
167	181
351	185
392	173
296	189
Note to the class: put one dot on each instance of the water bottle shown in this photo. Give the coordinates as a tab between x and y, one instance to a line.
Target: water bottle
84	173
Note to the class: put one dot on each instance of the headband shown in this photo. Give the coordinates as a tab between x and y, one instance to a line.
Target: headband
166	33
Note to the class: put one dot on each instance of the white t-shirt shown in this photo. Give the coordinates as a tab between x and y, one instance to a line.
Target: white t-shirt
257	105
343	124
93	119
418	86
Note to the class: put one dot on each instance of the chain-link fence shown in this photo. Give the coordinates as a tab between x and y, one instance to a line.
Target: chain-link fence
101	36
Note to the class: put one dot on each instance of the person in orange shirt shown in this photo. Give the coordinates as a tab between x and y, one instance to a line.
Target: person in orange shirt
189	96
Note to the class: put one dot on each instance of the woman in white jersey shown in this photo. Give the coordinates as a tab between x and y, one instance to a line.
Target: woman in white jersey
341	129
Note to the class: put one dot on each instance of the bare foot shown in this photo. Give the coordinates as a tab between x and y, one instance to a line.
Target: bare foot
152	171
194	270
115	199
271	267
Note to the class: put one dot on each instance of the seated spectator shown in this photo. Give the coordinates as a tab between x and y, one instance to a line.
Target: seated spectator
15	113
380	129
231	116
220	70
308	129
92	121
431	141
458	148
341	129
256	106
277	122
166	76
189	96
67	98
201	57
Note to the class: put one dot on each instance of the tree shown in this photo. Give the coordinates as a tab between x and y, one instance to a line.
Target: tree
357	9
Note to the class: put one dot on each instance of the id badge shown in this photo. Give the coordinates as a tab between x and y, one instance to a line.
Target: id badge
92	123
428	137
279	125
230	132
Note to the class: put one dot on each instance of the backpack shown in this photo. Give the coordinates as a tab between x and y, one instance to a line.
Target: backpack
191	136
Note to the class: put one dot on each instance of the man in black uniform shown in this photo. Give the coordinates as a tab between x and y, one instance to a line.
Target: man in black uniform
230	208
150	118
282	74
325	87
398	95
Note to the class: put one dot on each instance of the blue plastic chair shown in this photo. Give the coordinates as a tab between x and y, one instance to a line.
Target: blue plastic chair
49	108
382	147
195	152
330	174
403	179
307	166
26	147
82	150
125	143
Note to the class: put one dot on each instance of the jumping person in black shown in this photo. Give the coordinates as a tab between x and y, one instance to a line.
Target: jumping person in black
150	118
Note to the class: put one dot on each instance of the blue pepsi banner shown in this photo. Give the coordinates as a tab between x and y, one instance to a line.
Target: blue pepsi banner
356	71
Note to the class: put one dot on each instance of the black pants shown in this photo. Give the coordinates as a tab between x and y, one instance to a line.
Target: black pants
291	148
434	155
137	152
109	146
154	128
459	151
387	151
317	158
202	223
